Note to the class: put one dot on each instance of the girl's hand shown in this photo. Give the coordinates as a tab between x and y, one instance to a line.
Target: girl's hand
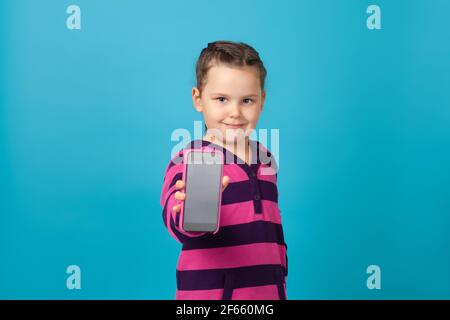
180	195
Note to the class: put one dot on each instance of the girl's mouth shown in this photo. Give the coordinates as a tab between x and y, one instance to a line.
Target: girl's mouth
233	126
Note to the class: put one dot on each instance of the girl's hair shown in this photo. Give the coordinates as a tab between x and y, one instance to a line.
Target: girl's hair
234	54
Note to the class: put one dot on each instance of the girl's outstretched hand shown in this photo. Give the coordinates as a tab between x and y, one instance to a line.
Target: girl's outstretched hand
180	195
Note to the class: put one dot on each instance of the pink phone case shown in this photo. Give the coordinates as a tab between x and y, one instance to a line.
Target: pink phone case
205	150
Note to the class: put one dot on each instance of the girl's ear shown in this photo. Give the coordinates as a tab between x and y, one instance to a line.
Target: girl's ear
196	99
263	98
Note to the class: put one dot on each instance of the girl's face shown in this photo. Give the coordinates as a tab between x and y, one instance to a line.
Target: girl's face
231	101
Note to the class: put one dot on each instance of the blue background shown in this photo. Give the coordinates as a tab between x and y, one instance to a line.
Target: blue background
86	118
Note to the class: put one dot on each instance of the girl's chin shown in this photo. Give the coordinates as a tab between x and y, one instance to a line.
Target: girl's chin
231	135
241	131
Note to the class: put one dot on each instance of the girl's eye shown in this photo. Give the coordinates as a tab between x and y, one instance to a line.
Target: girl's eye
247	100
221	99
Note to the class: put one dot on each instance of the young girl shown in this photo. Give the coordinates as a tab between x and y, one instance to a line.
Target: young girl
246	258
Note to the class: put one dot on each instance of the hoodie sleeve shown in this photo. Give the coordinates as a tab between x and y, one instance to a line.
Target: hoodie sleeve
171	219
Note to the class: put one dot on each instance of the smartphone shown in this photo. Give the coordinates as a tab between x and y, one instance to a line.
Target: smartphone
202	175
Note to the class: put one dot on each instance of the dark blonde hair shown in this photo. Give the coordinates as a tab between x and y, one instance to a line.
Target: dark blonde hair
234	54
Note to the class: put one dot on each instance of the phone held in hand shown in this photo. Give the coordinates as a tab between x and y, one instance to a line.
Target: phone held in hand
202	175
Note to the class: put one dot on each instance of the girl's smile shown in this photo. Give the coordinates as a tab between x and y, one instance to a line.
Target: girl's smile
233	126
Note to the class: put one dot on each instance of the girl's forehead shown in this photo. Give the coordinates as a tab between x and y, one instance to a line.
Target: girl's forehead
236	79
223	69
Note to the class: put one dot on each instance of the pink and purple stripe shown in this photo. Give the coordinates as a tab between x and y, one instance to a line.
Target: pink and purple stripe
246	258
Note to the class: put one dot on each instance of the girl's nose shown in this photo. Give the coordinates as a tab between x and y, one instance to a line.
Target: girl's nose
235	110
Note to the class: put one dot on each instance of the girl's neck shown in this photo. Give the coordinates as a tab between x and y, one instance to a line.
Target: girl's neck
242	150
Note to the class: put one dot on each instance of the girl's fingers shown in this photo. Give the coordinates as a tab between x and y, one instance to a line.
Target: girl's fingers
179	184
176	208
180	195
225	181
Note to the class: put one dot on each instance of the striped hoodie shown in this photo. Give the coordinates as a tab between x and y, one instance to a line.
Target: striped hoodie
246	258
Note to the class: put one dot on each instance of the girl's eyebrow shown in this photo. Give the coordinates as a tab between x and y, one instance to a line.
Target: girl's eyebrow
223	94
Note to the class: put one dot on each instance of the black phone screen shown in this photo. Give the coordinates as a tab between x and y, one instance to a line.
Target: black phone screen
203	189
